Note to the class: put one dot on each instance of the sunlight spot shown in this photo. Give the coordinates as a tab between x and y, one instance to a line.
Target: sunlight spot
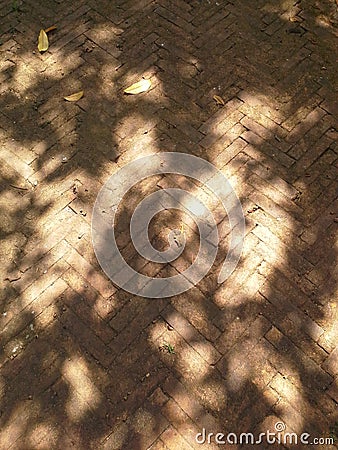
204	349
83	393
24	79
213	394
238	372
323	21
192	365
46	432
143	422
117	438
46	319
156	330
135	124
17	423
102	34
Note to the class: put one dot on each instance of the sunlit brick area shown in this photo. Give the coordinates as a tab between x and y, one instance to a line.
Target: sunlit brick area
248	87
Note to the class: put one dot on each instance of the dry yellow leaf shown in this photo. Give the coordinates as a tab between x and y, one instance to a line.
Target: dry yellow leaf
137	88
50	29
42	41
218	100
74	97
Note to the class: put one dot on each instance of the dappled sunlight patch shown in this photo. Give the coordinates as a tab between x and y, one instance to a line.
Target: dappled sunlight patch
271	7
135	125
288	390
237	378
43	436
23	79
76	406
292	419
145	146
105	35
131	148
155	331
328	321
191	365
178	353
205	350
83	393
213	395
187	70
143	421
58	67
198	309
327	21
174	440
118	436
45	319
105	306
18	422
133	76
261	70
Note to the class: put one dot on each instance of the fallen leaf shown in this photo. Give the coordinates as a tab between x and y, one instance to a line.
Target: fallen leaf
19	187
43	41
50	29
137	88
74	97
218	100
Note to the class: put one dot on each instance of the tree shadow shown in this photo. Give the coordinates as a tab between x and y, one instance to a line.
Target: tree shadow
82	361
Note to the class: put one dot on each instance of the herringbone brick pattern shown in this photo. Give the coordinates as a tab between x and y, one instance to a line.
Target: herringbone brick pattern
84	364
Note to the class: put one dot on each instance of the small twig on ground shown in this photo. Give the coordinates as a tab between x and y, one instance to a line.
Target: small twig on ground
18	187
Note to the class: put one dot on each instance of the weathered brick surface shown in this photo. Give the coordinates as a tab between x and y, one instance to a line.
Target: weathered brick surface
86	365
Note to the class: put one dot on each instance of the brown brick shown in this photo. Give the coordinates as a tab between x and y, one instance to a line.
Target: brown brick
189	333
331	363
96	279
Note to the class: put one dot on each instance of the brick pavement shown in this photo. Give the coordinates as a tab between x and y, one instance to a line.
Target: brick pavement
82	362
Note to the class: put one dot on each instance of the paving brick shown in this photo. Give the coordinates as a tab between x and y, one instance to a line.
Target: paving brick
188	332
291	394
305	125
97	280
265	133
87	338
331	363
246	343
173	439
200	311
275	153
137	324
298	317
216	131
285	346
184	426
